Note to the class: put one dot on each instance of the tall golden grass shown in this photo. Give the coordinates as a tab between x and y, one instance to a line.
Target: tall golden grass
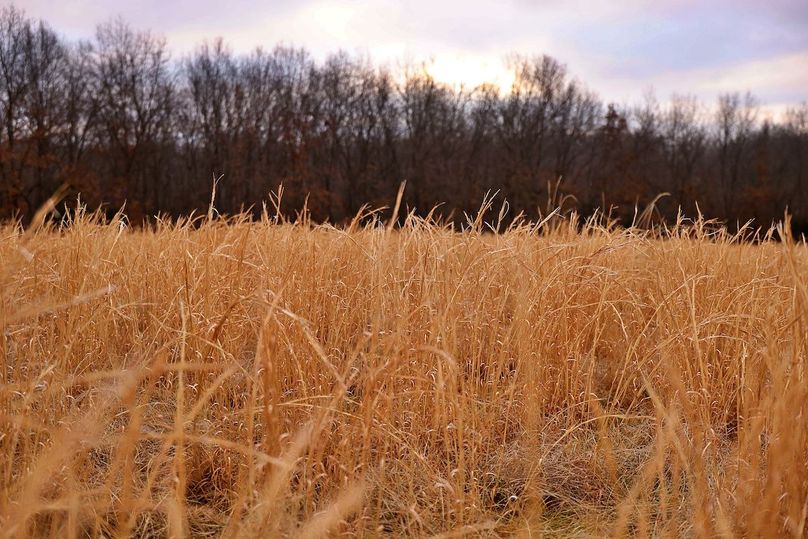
221	377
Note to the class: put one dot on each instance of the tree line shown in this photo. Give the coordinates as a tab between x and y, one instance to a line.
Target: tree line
118	120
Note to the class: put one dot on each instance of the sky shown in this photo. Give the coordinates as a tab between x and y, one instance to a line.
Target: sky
621	49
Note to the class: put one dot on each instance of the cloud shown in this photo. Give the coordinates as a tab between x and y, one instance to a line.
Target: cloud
777	83
780	78
619	48
78	18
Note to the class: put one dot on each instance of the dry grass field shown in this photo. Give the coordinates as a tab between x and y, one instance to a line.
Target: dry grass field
262	379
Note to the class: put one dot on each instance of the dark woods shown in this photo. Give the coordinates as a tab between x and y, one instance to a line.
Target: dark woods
118	120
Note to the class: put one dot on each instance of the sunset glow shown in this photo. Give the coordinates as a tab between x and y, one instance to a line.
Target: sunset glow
470	71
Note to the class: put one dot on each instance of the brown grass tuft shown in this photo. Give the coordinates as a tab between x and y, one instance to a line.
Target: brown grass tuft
251	379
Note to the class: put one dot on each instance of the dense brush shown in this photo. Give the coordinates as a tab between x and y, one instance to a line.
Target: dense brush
229	377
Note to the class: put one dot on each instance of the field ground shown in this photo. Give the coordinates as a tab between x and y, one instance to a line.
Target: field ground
265	379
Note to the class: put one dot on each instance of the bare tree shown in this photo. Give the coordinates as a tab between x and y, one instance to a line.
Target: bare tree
14	32
684	135
135	86
119	120
735	121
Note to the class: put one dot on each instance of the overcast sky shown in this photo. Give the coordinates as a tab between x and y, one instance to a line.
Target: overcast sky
619	48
